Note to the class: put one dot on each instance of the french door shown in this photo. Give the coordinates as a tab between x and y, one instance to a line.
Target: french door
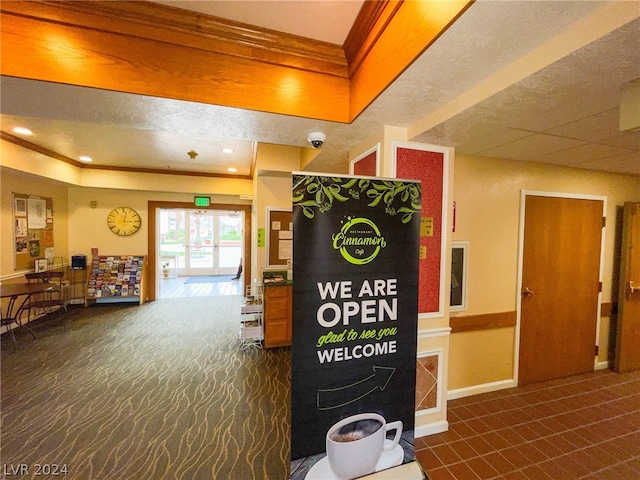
213	242
201	242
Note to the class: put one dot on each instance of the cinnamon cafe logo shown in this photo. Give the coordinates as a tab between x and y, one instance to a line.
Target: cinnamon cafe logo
359	241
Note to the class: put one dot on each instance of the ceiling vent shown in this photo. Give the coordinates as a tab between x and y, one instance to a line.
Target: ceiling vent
630	106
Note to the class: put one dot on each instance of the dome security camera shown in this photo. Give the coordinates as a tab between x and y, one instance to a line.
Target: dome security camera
316	139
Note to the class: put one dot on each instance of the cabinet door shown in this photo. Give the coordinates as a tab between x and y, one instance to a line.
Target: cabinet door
277	319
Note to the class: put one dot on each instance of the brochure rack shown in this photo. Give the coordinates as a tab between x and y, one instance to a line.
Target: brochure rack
117	278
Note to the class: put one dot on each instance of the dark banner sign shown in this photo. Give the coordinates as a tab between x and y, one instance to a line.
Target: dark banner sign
355	308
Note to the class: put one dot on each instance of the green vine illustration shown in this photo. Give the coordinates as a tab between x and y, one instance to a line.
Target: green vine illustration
318	193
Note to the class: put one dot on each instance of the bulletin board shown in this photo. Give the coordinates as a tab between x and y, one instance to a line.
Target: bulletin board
429	164
279	237
32	230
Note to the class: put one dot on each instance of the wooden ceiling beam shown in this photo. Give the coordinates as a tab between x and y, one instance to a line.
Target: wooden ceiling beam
182	27
54	43
402	31
151	49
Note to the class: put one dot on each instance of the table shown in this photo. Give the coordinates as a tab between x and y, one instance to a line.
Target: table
174	259
14	292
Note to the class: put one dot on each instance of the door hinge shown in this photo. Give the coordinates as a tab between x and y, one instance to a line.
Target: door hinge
597	350
604	222
600	287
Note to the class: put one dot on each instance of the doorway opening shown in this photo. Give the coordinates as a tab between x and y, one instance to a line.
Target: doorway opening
199	252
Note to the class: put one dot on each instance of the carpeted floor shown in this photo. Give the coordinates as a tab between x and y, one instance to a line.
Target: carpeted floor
158	391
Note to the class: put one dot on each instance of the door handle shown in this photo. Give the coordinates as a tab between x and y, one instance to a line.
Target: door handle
527	292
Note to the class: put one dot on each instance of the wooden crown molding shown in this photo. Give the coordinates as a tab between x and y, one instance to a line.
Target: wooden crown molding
168	24
21	142
367	28
106	45
402	31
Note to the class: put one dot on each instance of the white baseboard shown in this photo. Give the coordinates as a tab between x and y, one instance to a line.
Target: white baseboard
478	389
431	428
602	365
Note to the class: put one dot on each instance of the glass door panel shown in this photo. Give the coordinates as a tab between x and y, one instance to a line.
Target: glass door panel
199	246
228	242
172	241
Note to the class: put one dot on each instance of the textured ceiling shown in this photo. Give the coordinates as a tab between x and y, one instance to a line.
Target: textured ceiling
520	80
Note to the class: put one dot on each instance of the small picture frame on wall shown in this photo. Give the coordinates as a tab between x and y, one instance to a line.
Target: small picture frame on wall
20	207
459	268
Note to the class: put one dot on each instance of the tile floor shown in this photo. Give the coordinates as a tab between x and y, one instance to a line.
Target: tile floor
581	427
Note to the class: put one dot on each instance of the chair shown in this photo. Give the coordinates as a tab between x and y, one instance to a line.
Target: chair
50	301
11	315
9	322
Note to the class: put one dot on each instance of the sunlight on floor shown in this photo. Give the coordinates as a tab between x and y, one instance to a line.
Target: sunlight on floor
178	288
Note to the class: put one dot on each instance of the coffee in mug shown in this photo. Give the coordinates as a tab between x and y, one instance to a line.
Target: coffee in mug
356	430
356	443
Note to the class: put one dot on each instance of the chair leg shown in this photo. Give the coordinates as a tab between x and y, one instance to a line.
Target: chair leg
30	331
26	325
64	317
13	337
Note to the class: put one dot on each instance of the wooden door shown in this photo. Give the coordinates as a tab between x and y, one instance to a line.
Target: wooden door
628	325
560	286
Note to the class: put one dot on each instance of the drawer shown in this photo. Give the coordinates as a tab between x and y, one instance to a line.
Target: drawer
277	292
278	308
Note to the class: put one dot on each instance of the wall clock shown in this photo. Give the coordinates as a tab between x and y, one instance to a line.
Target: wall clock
124	221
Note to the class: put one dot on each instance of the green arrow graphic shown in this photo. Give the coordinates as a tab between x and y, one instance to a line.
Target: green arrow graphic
338	397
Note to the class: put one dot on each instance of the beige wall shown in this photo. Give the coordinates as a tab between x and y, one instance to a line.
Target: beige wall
487	195
88	226
78	227
272	187
28	161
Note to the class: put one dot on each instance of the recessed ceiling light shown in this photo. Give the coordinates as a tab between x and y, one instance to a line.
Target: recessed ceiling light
232	170
85	158
22	131
227	150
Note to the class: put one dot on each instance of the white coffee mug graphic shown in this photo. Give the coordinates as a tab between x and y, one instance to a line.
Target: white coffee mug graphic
355	444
